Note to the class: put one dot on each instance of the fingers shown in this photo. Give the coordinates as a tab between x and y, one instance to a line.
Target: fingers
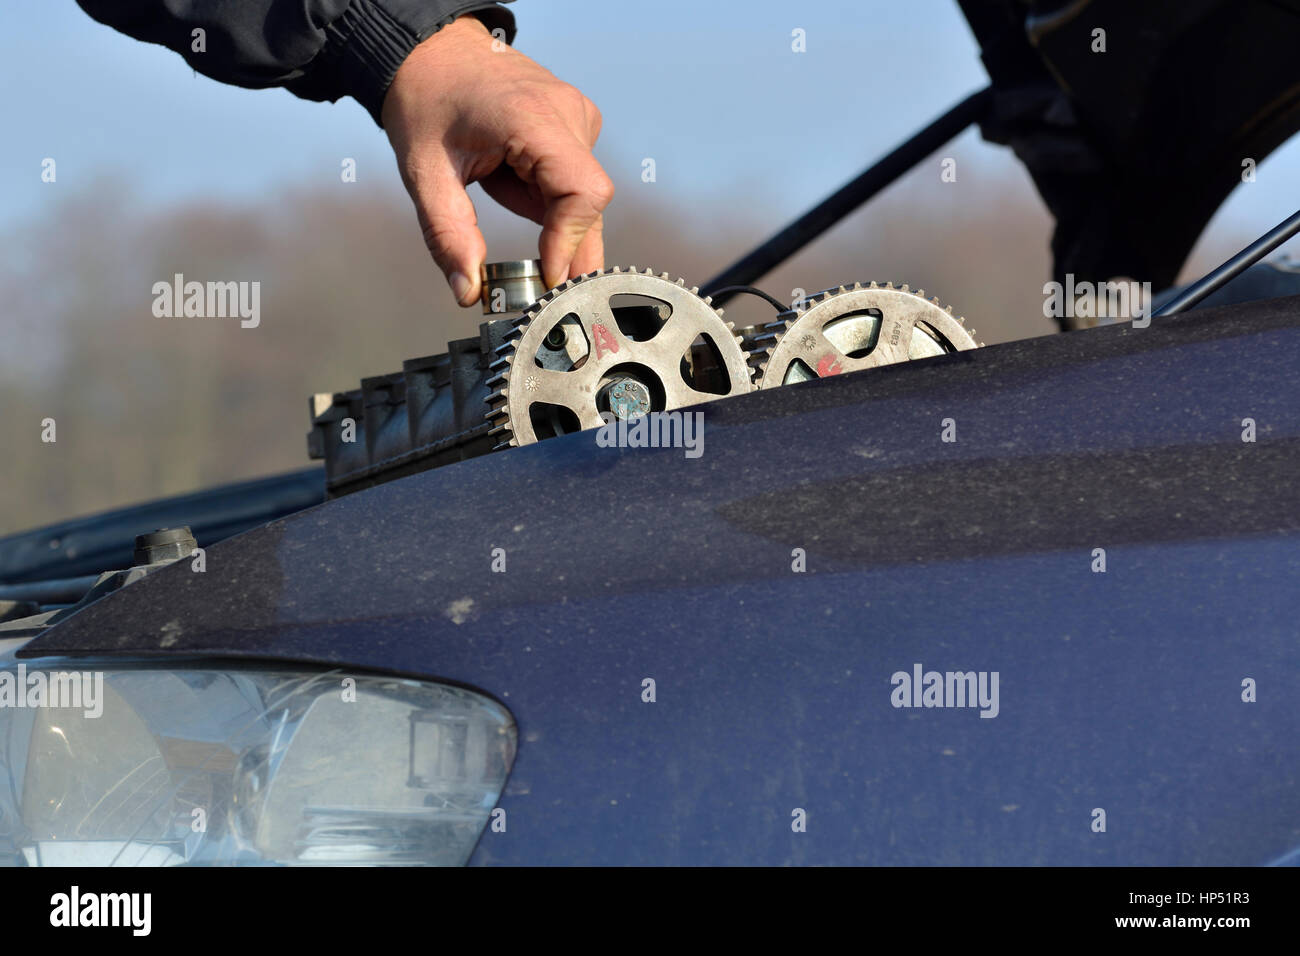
521	198
450	228
526	200
591	251
576	191
592	122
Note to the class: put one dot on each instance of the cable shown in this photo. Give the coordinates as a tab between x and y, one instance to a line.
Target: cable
849	197
1216	279
731	290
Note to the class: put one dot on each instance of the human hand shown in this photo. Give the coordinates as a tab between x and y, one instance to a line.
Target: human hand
465	108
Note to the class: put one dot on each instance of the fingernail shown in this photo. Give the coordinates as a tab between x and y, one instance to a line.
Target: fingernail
459	286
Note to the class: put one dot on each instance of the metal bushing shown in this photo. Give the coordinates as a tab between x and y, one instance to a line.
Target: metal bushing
509	288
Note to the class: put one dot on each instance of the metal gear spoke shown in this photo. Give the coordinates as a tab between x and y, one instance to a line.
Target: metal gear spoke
554	387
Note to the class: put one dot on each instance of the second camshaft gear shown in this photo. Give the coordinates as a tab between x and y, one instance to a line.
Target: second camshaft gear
849	329
622	343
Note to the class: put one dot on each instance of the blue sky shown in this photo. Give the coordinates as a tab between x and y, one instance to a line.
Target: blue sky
711	91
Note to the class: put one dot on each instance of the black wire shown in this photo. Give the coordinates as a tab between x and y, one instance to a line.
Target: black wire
1217	278
750	290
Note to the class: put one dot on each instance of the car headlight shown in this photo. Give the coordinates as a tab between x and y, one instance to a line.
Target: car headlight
111	764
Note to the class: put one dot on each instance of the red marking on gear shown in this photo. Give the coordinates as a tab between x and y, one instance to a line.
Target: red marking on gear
605	342
828	365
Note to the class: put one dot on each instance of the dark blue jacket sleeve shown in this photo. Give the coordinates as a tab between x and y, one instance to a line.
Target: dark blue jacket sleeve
317	49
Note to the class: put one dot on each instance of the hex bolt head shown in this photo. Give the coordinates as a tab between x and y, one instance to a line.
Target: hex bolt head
628	398
165	544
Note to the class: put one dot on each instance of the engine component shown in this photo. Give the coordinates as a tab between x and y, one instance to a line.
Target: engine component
511	287
846	330
427	415
626	343
620	343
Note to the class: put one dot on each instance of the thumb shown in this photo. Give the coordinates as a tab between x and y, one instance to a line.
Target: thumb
450	227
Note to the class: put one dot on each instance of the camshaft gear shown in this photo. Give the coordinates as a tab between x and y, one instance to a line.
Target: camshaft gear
625	343
848	329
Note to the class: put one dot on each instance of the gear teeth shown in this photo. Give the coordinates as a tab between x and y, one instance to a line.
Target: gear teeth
663	275
842	289
919	292
904	288
874	285
857	285
616	271
681	282
695	290
632	269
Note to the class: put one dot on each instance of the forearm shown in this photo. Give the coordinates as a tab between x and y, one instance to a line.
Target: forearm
317	49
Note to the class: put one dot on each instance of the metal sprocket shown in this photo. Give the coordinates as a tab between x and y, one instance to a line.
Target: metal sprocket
562	352
848	329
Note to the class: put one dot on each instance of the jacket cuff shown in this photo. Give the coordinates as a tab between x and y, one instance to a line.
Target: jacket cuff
365	46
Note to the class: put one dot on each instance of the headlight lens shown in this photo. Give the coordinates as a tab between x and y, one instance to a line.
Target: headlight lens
103	764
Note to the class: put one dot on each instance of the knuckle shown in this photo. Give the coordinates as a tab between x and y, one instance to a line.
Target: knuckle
538	99
572	97
517	154
602	188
